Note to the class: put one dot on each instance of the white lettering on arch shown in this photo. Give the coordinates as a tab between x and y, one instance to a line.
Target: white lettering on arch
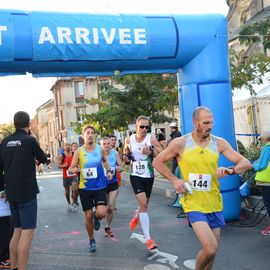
45	35
64	33
82	33
124	36
2	28
140	36
109	38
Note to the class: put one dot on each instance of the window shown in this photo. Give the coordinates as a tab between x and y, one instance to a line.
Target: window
79	112
79	89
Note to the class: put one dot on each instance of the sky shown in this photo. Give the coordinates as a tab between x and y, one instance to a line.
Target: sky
27	93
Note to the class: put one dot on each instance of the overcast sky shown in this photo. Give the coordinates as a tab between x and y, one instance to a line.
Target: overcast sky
27	93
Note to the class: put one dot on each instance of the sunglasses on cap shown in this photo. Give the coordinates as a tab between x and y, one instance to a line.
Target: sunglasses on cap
142	127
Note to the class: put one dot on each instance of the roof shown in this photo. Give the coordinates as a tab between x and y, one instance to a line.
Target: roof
265	92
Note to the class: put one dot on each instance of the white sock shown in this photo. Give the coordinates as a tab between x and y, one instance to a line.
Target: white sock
145	223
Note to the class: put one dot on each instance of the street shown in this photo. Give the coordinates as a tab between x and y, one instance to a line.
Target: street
61	241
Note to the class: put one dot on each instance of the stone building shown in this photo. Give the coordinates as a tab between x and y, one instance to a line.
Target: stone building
70	95
47	133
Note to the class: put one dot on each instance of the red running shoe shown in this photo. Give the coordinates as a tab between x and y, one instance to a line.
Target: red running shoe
135	220
150	244
266	231
108	232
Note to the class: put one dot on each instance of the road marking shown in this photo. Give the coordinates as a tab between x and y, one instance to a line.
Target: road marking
190	264
156	267
166	257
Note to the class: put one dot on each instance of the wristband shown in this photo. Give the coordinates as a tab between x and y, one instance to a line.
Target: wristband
233	170
109	171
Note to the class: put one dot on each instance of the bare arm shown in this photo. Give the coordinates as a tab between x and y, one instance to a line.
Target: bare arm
60	163
126	151
73	168
118	162
174	149
242	164
157	146
106	164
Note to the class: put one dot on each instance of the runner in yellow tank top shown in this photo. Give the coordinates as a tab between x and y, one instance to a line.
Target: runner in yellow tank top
198	166
197	154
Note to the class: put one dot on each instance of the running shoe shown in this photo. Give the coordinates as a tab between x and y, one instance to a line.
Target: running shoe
96	222
77	203
92	246
150	244
74	208
134	221
266	231
108	232
69	207
5	264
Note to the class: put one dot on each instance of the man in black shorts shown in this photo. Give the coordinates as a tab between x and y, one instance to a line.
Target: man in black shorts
139	150
92	189
18	153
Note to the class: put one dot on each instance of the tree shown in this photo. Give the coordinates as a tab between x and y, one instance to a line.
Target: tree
249	73
5	130
256	32
145	94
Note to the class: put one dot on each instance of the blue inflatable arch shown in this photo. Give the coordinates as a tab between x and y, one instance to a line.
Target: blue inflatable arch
195	46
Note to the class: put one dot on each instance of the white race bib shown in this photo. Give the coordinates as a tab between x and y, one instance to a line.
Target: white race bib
69	174
89	173
112	169
200	182
139	167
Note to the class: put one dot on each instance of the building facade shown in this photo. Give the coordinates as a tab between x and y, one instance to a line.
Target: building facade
47	128
70	96
241	13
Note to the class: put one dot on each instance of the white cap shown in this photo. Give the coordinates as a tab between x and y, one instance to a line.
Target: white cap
174	124
265	134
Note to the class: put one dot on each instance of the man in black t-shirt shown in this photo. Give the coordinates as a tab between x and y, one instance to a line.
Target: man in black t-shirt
18	155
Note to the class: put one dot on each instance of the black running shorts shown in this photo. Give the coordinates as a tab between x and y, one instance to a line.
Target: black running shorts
112	187
24	215
140	184
91	198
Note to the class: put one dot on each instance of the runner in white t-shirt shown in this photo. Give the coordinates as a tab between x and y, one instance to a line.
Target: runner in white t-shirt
139	151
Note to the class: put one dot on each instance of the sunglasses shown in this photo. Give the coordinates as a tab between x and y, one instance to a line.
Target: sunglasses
142	127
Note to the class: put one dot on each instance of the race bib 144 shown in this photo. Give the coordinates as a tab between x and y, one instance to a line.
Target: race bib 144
200	182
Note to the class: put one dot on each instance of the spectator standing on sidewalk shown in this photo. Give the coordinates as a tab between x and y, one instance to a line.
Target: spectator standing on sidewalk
262	168
6	230
18	153
175	133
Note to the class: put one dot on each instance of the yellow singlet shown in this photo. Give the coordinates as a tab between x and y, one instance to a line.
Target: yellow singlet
198	166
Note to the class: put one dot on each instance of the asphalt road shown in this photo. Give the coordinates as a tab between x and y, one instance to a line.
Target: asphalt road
61	241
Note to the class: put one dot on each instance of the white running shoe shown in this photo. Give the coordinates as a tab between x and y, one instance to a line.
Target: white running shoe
69	207
74	208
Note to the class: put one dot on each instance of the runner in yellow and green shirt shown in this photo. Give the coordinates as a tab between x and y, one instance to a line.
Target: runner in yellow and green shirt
197	154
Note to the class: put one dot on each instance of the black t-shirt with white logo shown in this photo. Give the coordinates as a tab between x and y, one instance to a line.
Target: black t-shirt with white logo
18	155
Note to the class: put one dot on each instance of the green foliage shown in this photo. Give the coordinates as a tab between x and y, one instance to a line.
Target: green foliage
256	32
249	73
5	130
252	71
144	94
252	153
